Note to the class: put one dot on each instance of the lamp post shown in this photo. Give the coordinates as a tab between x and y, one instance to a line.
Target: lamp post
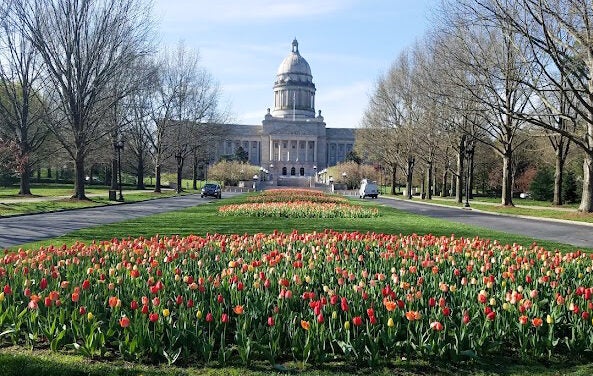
119	145
344	179
467	153
179	159
255	177
331	183
271	171
315	173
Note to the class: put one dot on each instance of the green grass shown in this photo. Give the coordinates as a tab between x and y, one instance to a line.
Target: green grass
204	219
57	203
49	190
18	361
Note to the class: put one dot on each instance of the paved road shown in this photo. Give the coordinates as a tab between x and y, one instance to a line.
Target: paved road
561	232
29	228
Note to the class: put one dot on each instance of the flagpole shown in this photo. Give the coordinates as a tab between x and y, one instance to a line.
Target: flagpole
293	105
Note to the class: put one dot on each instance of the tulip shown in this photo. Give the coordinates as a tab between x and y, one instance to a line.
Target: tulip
390	323
224	318
436	326
305	324
357	321
238	309
153	317
124	322
271	321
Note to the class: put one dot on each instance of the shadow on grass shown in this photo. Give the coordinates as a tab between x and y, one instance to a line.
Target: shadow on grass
17	361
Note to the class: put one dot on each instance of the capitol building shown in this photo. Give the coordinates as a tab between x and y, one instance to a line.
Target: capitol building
293	140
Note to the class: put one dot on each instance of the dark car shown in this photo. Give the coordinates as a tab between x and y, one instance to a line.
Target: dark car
212	190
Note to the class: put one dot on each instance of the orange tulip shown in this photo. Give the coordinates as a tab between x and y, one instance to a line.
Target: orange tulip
238	309
537	322
390	305
124	322
305	324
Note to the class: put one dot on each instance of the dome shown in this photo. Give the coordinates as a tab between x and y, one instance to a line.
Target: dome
294	63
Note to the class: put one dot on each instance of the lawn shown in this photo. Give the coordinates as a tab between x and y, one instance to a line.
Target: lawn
204	219
54	198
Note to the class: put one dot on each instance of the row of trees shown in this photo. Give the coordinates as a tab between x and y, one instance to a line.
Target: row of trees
83	76
492	73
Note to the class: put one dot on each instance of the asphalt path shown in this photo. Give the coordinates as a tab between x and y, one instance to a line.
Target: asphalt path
579	235
29	228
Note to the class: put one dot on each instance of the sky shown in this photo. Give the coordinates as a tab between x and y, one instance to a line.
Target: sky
347	43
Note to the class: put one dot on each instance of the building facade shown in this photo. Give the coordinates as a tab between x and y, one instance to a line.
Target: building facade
293	140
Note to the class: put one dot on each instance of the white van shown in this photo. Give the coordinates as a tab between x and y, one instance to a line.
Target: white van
368	189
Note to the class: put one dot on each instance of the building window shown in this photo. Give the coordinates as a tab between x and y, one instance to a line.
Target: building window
254	144
284	171
302	145
302	171
293	144
285	145
292	171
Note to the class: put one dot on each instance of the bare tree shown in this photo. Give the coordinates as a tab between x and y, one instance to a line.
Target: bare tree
392	113
185	100
559	34
23	115
493	57
85	45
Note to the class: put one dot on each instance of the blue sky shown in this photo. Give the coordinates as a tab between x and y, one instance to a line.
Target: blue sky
348	44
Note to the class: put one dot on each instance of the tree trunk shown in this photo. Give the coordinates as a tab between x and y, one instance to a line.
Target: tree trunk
194	173
25	181
429	181
558	175
157	179
459	178
49	172
179	175
393	178
79	193
507	172
140	173
444	180
587	196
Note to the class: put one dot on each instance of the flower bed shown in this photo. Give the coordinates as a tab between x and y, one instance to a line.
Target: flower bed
298	209
292	195
305	296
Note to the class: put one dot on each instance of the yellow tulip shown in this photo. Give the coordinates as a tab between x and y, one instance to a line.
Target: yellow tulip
549	319
199	314
390	323
166	312
90	316
1	297
347	325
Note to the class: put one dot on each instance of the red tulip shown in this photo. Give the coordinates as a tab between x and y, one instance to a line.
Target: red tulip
153	317
271	321
344	304
224	318
209	317
133	305
43	283
357	321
